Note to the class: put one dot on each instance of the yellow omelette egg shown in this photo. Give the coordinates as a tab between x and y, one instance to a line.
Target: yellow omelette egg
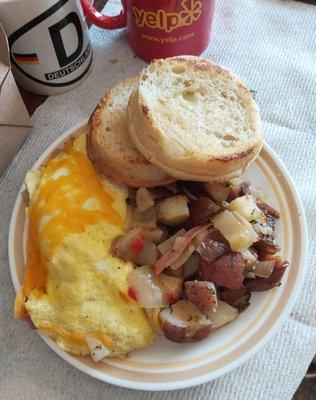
73	287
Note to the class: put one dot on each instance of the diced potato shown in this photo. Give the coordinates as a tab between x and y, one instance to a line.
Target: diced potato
238	298
236	230
183	322
202	294
202	210
262	228
173	210
223	315
218	191
227	271
247	207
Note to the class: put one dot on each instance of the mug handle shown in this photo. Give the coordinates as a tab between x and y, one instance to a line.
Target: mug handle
103	21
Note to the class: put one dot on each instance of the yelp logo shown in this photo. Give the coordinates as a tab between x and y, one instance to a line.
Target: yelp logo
191	12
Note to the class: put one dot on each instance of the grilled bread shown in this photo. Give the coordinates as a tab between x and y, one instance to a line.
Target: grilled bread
110	148
194	119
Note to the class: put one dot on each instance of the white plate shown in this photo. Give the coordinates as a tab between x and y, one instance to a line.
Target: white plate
167	365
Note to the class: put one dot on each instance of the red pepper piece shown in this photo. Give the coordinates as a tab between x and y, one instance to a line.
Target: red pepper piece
138	244
170	298
132	293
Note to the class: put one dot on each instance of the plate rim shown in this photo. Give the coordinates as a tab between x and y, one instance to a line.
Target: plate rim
103	376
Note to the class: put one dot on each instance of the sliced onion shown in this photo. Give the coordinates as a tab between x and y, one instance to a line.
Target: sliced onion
97	348
149	293
179	243
174	272
172	285
191	266
171	256
167	244
223	315
123	247
247	228
144	200
264	269
250	259
154	235
148	256
236	229
200	237
211	249
144	219
184	257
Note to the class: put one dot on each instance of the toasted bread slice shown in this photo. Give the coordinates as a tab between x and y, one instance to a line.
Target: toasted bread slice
195	120
110	148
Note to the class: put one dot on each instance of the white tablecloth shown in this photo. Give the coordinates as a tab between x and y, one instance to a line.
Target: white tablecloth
271	45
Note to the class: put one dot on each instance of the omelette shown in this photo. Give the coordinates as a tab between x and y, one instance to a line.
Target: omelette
74	290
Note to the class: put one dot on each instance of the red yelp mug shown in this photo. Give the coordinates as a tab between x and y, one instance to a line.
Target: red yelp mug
160	28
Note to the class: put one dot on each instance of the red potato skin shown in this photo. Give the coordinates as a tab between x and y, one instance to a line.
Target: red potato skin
238	191
202	209
214	234
178	334
174	333
229	296
268	210
202	294
227	271
211	249
265	246
261	284
238	298
201	334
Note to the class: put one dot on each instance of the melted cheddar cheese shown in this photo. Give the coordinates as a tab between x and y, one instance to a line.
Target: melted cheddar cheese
73	285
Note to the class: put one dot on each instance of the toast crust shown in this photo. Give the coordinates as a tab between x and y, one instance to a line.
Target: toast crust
177	157
120	161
